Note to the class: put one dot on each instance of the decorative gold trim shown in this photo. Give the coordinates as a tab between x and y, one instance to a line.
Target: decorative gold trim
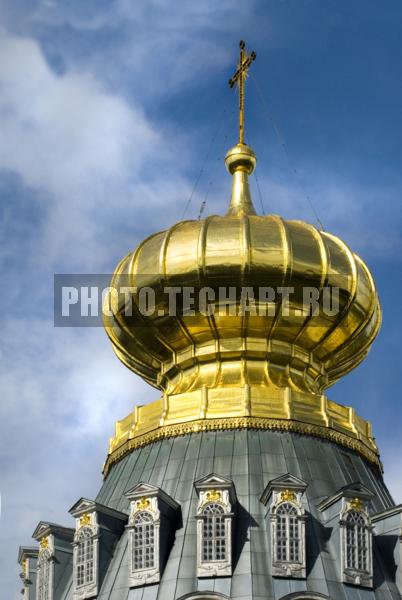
236	407
213	496
142	504
356	504
168	431
288	496
44	543
85	520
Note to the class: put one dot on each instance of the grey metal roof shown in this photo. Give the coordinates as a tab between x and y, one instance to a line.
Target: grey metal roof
251	459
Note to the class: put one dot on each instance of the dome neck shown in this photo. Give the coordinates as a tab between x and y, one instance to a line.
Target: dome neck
240	162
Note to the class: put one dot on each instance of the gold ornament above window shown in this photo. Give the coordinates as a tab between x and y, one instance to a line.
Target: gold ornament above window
356	504
44	543
143	503
213	496
85	520
288	496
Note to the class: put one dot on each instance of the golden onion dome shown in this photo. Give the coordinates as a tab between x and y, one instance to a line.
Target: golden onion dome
274	342
242	321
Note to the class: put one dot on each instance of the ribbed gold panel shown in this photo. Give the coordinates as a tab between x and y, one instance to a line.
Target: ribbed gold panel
179	353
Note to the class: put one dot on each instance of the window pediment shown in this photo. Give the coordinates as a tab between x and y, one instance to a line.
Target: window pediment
287	485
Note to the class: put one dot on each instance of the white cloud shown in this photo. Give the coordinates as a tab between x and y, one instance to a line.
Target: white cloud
70	376
60	132
62	391
164	46
78	144
350	209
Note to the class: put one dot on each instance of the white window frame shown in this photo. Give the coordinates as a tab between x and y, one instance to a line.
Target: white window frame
143	538
214	521
290	567
45	557
144	575
217	567
287	542
86	523
85	567
355	574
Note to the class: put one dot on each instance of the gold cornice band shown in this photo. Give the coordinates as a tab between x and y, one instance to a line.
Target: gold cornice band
169	431
279	409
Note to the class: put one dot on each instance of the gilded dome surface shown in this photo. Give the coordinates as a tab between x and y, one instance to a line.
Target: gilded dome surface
306	352
250	318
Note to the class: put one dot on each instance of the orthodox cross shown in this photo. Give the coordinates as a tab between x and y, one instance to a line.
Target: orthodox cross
240	77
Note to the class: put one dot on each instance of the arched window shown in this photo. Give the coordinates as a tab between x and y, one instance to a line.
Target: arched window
215	517
97	531
85	564
214	537
151	527
86	551
356	546
356	541
44	575
288	544
143	542
287	547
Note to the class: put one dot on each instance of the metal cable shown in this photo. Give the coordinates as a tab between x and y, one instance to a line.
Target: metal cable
217	129
215	163
259	193
283	145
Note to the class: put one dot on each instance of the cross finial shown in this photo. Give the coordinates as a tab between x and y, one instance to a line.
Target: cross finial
240	77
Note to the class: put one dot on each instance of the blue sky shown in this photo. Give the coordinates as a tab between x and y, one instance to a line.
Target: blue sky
107	111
